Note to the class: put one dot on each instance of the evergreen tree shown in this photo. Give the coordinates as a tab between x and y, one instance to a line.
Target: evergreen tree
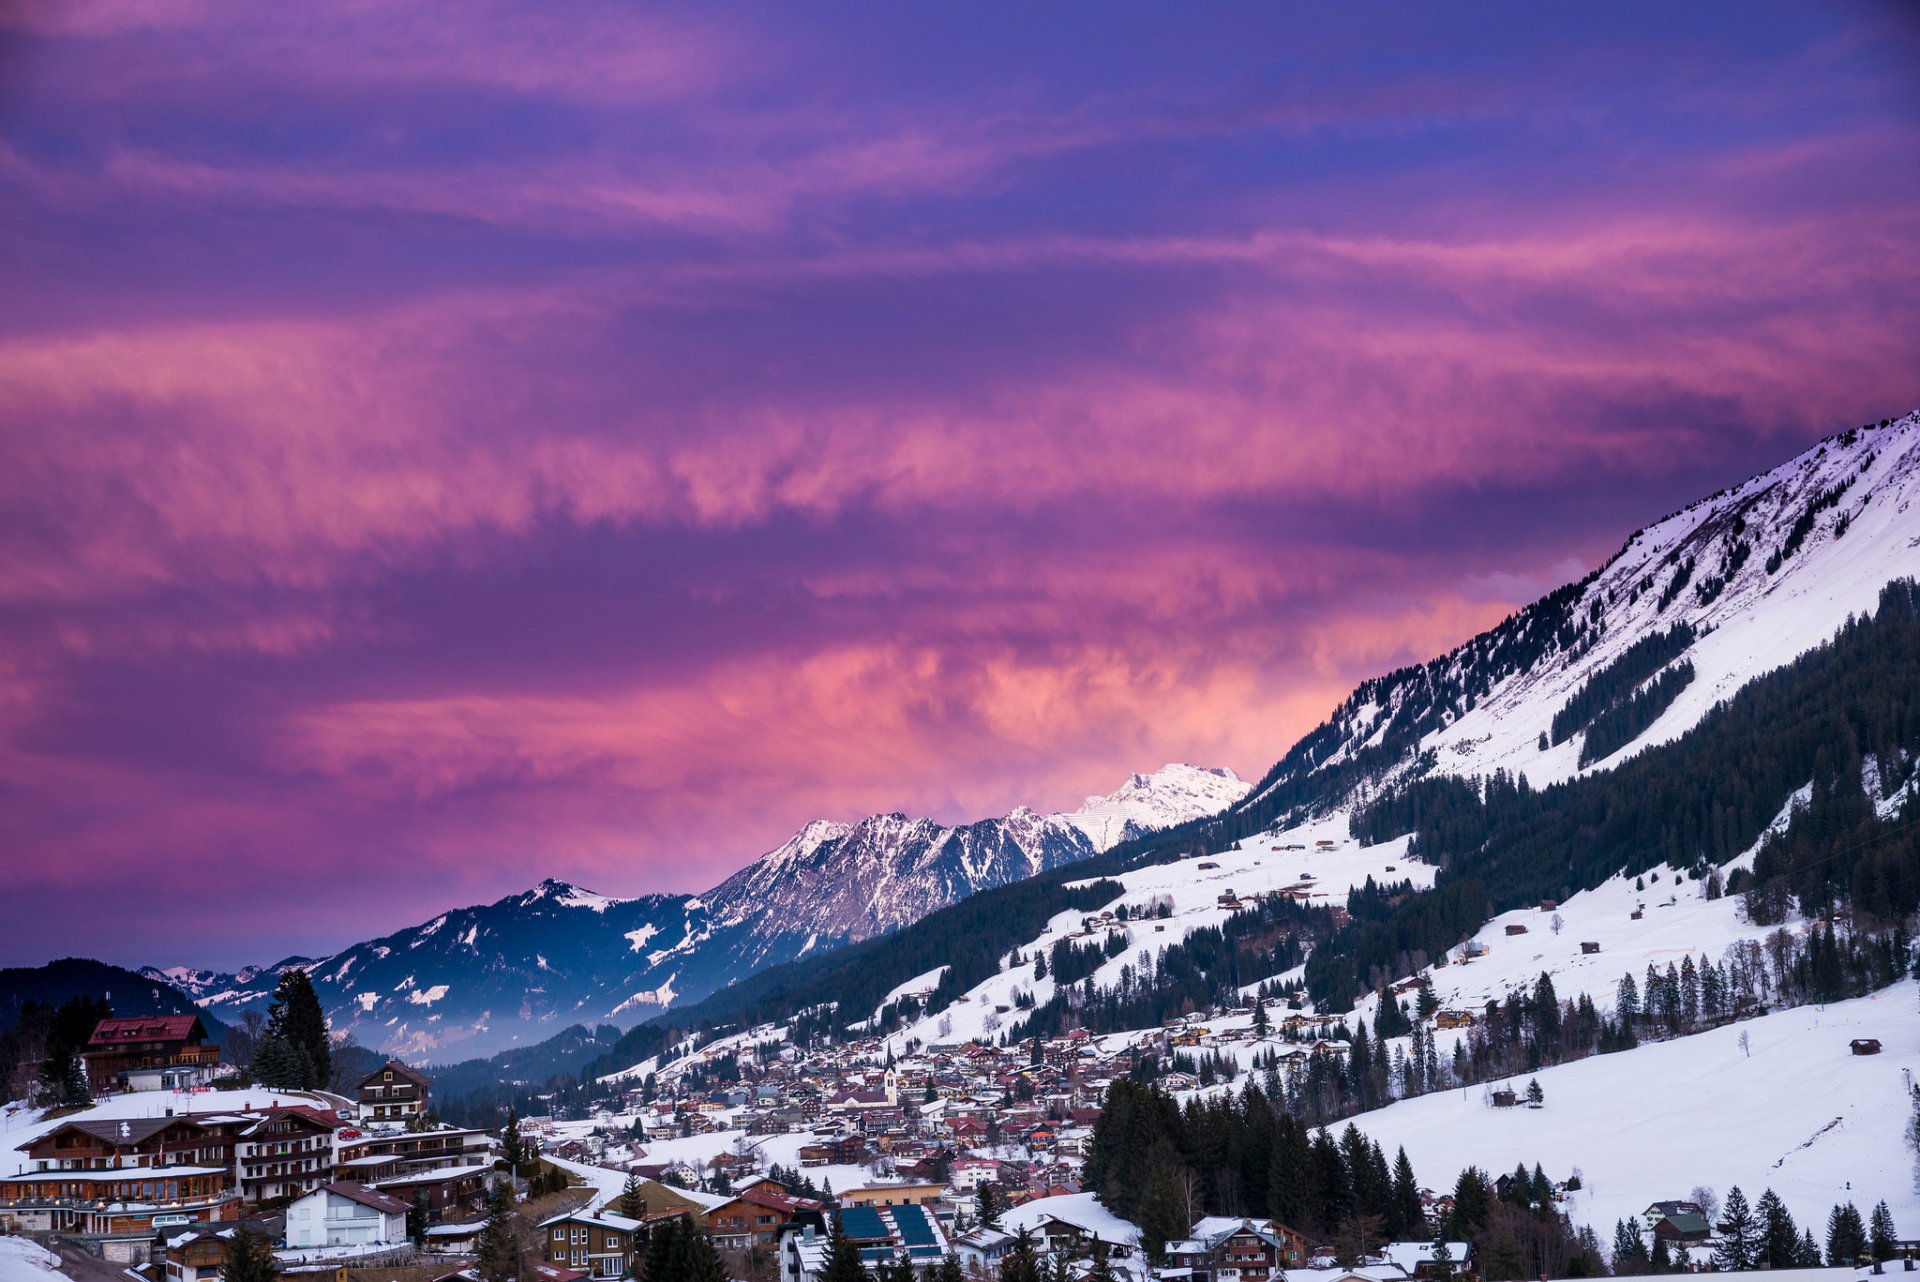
249	1258
1662	1260
1021	1263
1162	1210
633	1203
1846	1235
949	1270
1629	1249
1880	1234
1534	1094
1807	1254
512	1148
1739	1244
1779	1236
1442	1269
986	1203
295	1018
1409	1217
843	1260
498	1250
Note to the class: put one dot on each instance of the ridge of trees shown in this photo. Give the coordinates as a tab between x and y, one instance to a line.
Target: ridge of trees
1611	684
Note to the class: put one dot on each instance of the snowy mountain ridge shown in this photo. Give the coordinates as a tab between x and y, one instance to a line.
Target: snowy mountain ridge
568	955
1170	795
1760	573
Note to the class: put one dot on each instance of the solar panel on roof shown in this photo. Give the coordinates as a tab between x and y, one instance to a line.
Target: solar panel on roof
863	1224
913	1226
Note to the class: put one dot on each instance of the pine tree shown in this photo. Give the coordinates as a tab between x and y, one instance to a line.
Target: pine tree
512	1148
1534	1094
1162	1210
949	1270
656	1261
498	1250
1846	1235
1739	1234
249	1258
295	1018
1021	1263
1662	1259
633	1203
843	1260
1629	1249
1779	1236
1880	1234
986	1203
1441	1269
1807	1254
1409	1216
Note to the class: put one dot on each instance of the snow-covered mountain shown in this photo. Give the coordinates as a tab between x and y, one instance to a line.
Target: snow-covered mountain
479	979
1729	587
1170	795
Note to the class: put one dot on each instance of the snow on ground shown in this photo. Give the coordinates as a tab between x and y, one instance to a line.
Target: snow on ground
23	1261
1081	1209
698	1150
1262	864
1798	1113
1677	921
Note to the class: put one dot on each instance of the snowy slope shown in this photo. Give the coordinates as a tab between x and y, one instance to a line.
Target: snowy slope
1799	1114
1170	795
1194	895
1484	706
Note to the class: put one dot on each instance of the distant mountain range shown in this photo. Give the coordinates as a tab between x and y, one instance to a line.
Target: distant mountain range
477	980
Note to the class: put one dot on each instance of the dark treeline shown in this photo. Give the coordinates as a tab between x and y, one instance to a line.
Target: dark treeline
1699	800
1624	722
1164	1166
1618	679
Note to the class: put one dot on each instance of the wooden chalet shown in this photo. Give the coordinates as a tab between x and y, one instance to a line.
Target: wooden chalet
392	1093
111	1177
149	1052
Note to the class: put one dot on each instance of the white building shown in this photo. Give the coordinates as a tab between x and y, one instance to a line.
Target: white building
345	1214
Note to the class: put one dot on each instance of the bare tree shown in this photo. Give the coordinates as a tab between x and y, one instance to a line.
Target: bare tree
1707	1200
1557	923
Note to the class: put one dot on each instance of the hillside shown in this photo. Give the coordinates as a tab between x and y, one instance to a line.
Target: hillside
128	992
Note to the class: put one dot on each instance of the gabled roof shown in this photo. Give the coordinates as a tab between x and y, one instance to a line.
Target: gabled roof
385	1203
395	1066
109	1033
126	1130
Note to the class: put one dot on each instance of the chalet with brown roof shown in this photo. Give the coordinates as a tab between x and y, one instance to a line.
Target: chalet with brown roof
758	1214
102	1177
149	1052
392	1093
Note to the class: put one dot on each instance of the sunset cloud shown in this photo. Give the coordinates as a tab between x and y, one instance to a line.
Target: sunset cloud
592	442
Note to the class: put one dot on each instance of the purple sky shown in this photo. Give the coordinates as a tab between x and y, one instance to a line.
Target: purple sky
444	445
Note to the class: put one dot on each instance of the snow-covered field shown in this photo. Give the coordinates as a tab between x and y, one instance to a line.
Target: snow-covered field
22	1261
1677	921
1796	1111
